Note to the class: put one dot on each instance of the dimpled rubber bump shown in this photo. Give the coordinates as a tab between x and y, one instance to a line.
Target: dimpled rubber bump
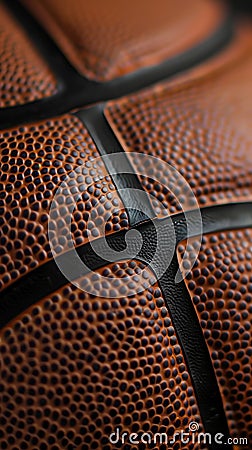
24	76
35	159
220	286
202	128
105	40
76	367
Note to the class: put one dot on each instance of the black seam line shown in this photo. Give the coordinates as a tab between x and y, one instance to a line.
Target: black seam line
47	278
76	91
196	354
128	184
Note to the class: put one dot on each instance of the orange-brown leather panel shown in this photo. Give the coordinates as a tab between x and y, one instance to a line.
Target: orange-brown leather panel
198	124
108	39
76	367
220	286
35	160
24	76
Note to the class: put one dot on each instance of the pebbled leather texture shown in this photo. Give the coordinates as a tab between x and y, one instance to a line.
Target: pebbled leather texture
36	159
200	126
80	359
24	75
220	286
36	284
111	363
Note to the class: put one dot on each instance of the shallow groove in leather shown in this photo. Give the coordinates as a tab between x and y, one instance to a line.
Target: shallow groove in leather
24	76
106	40
35	160
201	127
78	366
220	286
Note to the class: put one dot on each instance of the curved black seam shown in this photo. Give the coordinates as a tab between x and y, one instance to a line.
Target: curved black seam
127	184
76	91
47	278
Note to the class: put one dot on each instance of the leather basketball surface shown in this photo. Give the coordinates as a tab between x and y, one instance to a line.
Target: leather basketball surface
126	216
25	76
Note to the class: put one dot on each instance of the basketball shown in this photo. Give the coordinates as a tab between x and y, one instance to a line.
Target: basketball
126	225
